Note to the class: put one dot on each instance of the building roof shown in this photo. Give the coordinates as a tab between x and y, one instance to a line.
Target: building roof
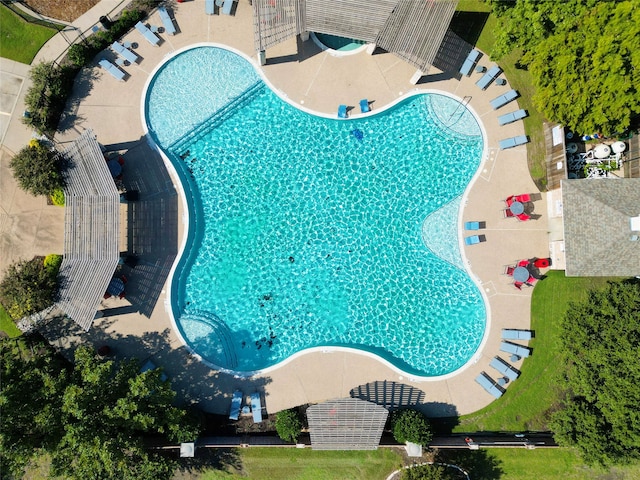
91	230
409	29
346	424
598	239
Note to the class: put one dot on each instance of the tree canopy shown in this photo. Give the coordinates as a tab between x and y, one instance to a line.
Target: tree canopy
430	472
91	418
600	341
37	169
583	58
411	426
28	287
288	425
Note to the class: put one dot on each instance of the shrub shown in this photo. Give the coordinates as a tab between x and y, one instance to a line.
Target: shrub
288	425
37	170
429	472
411	426
79	54
52	263
57	197
27	288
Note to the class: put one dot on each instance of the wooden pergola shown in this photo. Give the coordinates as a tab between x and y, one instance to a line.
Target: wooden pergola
412	30
91	230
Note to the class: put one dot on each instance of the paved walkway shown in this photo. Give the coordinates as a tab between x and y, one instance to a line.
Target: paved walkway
317	81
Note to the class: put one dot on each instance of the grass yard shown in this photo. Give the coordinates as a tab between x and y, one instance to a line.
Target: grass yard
530	399
7	325
481	33
21	40
307	464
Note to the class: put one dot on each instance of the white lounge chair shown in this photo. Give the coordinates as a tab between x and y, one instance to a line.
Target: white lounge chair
112	69
489	385
151	37
504	368
512	117
256	407
502	100
475	239
512	334
236	403
209	7
169	27
124	52
226	7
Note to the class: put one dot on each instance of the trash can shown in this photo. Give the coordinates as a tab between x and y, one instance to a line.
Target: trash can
105	22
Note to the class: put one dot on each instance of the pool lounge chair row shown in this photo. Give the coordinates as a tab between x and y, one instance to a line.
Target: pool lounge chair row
169	27
236	406
515	349
151	37
224	5
512	117
475	225
489	77
504	368
475	239
124	52
365	106
502	100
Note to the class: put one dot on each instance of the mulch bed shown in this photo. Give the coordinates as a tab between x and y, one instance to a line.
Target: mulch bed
66	10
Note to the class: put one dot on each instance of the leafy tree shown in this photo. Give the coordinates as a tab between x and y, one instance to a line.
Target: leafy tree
429	472
28	287
411	426
37	169
99	417
288	425
600	342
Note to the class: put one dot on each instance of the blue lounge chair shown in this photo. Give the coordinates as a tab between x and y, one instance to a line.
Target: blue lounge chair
512	334
469	63
502	100
124	52
209	7
489	385
513	142
474	225
236	403
342	111
112	69
515	349
149	365
505	368
256	407
489	77
226	7
475	239
169	27
364	106
512	117
147	34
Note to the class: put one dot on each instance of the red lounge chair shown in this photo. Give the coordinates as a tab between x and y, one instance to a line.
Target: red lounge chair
523	217
523	263
509	200
508	213
532	280
525	197
106	295
122	295
518	285
509	270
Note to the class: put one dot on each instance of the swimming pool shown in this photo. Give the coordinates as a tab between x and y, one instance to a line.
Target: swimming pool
310	232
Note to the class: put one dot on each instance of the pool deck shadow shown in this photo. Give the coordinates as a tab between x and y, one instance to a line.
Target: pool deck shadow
140	325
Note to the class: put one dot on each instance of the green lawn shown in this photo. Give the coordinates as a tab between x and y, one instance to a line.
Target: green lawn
21	40
528	400
7	325
307	464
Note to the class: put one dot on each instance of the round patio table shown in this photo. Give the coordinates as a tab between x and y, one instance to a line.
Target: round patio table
521	274
517	208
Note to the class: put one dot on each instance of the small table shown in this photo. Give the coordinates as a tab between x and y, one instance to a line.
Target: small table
517	208
521	274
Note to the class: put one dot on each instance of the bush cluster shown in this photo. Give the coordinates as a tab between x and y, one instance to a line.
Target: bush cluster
29	287
411	426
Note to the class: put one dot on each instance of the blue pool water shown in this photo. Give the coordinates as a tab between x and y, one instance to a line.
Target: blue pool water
307	231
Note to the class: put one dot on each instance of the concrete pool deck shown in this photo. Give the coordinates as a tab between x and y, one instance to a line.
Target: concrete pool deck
320	82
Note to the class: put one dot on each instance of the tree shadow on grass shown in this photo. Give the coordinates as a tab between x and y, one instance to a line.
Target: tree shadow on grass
469	25
479	464
226	459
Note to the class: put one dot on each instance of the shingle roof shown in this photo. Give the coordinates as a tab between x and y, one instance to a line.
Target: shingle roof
90	231
597	227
